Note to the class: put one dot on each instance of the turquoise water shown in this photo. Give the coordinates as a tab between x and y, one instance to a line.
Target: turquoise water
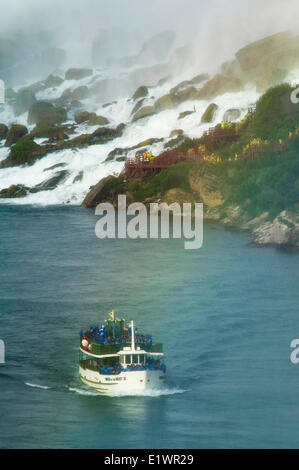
226	314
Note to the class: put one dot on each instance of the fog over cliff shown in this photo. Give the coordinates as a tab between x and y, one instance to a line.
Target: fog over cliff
216	28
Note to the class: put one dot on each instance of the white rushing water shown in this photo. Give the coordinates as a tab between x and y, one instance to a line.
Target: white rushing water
90	162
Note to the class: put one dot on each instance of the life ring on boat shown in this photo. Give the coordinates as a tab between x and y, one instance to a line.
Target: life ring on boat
85	343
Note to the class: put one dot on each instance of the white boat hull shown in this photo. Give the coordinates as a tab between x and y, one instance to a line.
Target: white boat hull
132	381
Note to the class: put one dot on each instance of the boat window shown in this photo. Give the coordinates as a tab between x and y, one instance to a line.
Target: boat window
128	359
135	359
141	358
122	359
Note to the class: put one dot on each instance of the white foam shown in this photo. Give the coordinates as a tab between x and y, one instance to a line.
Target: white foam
43	387
147	393
91	160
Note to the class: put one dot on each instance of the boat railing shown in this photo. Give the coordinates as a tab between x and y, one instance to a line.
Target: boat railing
131	368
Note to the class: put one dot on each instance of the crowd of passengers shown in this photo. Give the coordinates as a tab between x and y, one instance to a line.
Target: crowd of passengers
116	368
102	336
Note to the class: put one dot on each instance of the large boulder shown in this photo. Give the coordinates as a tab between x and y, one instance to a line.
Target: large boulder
80	93
77	73
141	92
82	116
15	133
3	131
209	114
25	152
23	100
165	102
283	231
14	191
46	113
144	112
267	61
52	182
232	115
106	189
95	120
53	81
219	85
183	114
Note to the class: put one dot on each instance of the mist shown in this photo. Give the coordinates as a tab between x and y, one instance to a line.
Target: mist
214	31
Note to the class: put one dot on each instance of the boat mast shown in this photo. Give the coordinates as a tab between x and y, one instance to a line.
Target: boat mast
133	336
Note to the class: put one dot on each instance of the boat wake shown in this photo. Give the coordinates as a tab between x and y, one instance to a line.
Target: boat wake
146	393
43	387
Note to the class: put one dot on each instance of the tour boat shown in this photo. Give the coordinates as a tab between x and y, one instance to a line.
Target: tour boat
117	358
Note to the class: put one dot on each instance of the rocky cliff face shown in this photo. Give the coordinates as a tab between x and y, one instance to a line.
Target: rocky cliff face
283	231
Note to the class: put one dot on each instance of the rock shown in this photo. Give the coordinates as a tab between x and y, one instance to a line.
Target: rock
174	142
164	80
219	85
260	61
209	113
187	83
178	195
104	134
77	73
57	165
65	98
15	133
183	114
46	113
83	116
53	133
95	120
188	94
80	93
115	152
283	231
165	102
79	177
76	104
14	191
145	143
199	78
108	104
206	185
3	131
137	106
53	81
26	152
144	112
232	115
176	132
141	92
51	183
106	189
24	99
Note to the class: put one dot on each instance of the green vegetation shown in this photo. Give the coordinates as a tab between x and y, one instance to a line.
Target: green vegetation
23	152
275	114
269	183
176	176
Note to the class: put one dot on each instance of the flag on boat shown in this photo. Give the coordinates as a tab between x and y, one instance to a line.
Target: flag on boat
111	314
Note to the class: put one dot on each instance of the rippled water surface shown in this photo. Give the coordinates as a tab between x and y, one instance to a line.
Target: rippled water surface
226	314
